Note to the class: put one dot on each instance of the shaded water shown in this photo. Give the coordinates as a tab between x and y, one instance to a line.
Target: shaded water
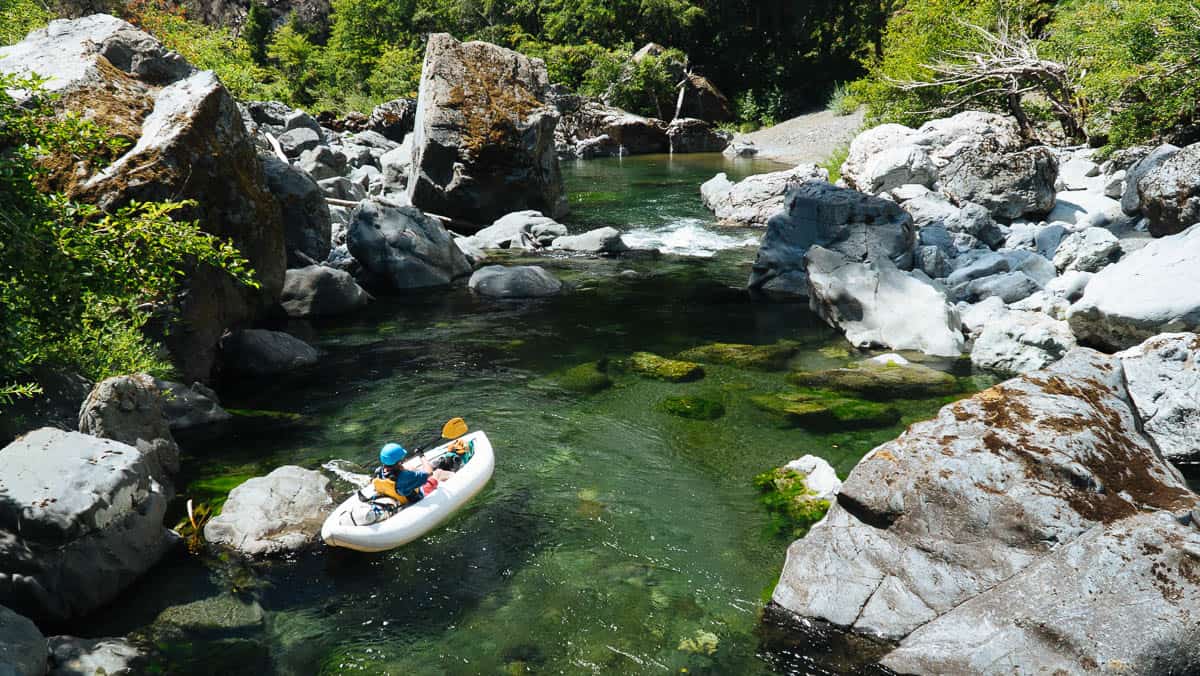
614	536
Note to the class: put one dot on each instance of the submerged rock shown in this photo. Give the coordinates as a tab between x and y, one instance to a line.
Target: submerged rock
798	494
22	646
521	281
404	247
766	357
278	513
483	143
881	380
970	507
129	409
692	407
824	410
75	509
588	378
653	366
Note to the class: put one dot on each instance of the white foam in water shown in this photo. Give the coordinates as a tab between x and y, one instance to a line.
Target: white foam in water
686	237
338	468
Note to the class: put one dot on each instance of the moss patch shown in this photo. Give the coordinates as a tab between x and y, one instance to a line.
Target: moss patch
764	357
881	381
588	378
693	408
825	410
793	507
654	366
281	416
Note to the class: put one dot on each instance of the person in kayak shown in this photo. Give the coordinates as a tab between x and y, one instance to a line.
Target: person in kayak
407	482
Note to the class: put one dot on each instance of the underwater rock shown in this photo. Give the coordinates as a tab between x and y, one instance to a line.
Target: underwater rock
701	643
881	380
278	513
794	502
825	410
588	378
693	408
219	613
653	366
765	357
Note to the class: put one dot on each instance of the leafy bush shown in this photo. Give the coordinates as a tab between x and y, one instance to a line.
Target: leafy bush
397	73
18	17
841	100
78	285
833	163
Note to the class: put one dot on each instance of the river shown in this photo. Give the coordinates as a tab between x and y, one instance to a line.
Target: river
614	537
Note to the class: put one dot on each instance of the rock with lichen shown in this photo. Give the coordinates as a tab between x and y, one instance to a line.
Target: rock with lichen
588	378
765	357
483	145
1036	508
653	366
881	380
798	495
818	409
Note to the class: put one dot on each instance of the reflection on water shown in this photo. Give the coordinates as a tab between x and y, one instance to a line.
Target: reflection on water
614	537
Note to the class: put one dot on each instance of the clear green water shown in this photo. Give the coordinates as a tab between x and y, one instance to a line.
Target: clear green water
612	532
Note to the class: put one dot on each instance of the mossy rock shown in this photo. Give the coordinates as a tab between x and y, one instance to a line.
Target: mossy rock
824	410
693	408
588	378
653	366
793	506
881	381
763	357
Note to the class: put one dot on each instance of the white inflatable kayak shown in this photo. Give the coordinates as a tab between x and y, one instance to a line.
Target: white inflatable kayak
421	517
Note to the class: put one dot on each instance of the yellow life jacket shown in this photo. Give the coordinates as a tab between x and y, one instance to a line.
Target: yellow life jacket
387	488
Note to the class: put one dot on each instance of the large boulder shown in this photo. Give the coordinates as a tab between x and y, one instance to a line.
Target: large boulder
1021	342
280	512
878	305
258	352
962	508
523	281
755	199
404	247
189	142
1170	192
71	656
702	100
22	646
483	145
1131	197
75	510
1151	291
306	221
593	129
1088	250
1009	184
318	291
858	226
186	407
394	119
519	230
689	135
1163	376
605	240
129	409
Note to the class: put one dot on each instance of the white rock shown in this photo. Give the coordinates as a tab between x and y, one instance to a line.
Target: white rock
976	316
1085	209
280	512
1022	342
1088	250
889	358
1070	285
818	476
1163	377
753	200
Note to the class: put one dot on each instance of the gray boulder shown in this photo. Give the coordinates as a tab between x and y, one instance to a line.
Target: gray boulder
992	263
879	305
306	219
594	129
599	241
393	119
404	247
689	135
22	646
527	230
1009	287
1021	342
1085	209
342	188
1088	250
75	509
525	281
483	144
186	407
1047	239
395	164
1163	376
1131	197
294	142
257	352
1008	184
322	162
281	512
318	291
298	119
755	199
858	226
963	505
1170	192
1150	291
129	409
70	656
933	210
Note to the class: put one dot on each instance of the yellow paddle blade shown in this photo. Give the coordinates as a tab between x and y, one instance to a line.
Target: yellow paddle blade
454	428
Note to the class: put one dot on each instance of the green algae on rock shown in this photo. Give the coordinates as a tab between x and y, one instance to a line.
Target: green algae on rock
765	357
825	410
693	408
793	506
881	381
588	378
653	366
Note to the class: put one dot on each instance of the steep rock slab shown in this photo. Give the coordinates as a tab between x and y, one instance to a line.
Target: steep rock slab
483	145
280	512
858	226
1118	599
755	199
1151	291
1170	192
75	509
189	143
404	247
22	646
965	501
879	305
1009	184
1163	376
129	409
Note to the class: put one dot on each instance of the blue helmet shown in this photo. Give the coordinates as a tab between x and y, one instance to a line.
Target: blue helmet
391	454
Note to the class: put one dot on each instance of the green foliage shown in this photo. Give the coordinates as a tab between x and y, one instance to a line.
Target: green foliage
645	87
842	100
257	30
297	58
18	17
793	507
833	163
13	391
397	73
77	285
